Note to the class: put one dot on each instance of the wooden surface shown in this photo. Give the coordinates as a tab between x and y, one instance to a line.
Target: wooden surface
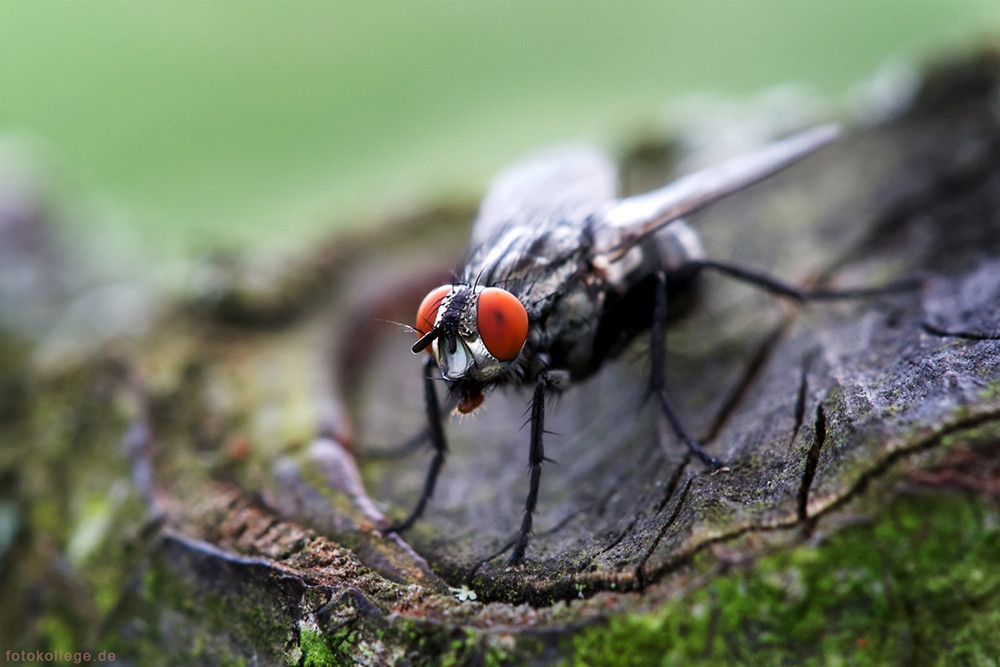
260	420
805	405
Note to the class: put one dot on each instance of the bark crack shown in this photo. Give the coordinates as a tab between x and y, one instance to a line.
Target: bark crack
930	442
800	399
640	569
668	494
965	335
757	363
812	461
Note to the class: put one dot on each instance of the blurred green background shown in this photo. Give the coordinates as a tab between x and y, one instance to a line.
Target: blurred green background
192	125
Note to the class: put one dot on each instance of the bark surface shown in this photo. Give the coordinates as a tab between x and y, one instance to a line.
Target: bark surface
261	425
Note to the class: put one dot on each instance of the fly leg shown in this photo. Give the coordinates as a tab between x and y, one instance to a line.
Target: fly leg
781	288
658	379
435	429
536	456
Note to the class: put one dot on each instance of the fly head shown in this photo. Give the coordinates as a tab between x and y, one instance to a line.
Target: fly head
475	335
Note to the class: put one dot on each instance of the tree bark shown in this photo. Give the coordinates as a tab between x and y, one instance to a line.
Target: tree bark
261	540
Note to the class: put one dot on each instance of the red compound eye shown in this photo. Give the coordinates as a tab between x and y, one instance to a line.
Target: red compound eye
503	323
428	311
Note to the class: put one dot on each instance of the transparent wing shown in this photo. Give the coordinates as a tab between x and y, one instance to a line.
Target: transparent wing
634	218
557	186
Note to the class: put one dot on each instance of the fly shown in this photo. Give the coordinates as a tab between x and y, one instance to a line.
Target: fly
561	274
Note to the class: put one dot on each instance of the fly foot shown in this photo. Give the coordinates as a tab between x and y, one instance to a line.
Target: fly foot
514	566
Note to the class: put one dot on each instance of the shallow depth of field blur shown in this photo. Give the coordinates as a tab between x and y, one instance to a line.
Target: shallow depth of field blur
154	132
137	138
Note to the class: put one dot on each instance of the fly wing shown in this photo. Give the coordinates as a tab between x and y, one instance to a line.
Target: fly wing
555	187
630	220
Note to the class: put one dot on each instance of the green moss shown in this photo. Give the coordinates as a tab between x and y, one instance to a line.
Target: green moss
214	624
921	586
59	634
992	390
315	650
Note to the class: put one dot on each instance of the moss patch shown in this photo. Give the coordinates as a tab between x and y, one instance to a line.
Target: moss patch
920	586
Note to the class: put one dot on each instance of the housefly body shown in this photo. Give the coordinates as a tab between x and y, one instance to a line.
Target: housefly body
561	274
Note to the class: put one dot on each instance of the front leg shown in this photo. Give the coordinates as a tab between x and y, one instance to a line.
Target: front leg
435	429
536	456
